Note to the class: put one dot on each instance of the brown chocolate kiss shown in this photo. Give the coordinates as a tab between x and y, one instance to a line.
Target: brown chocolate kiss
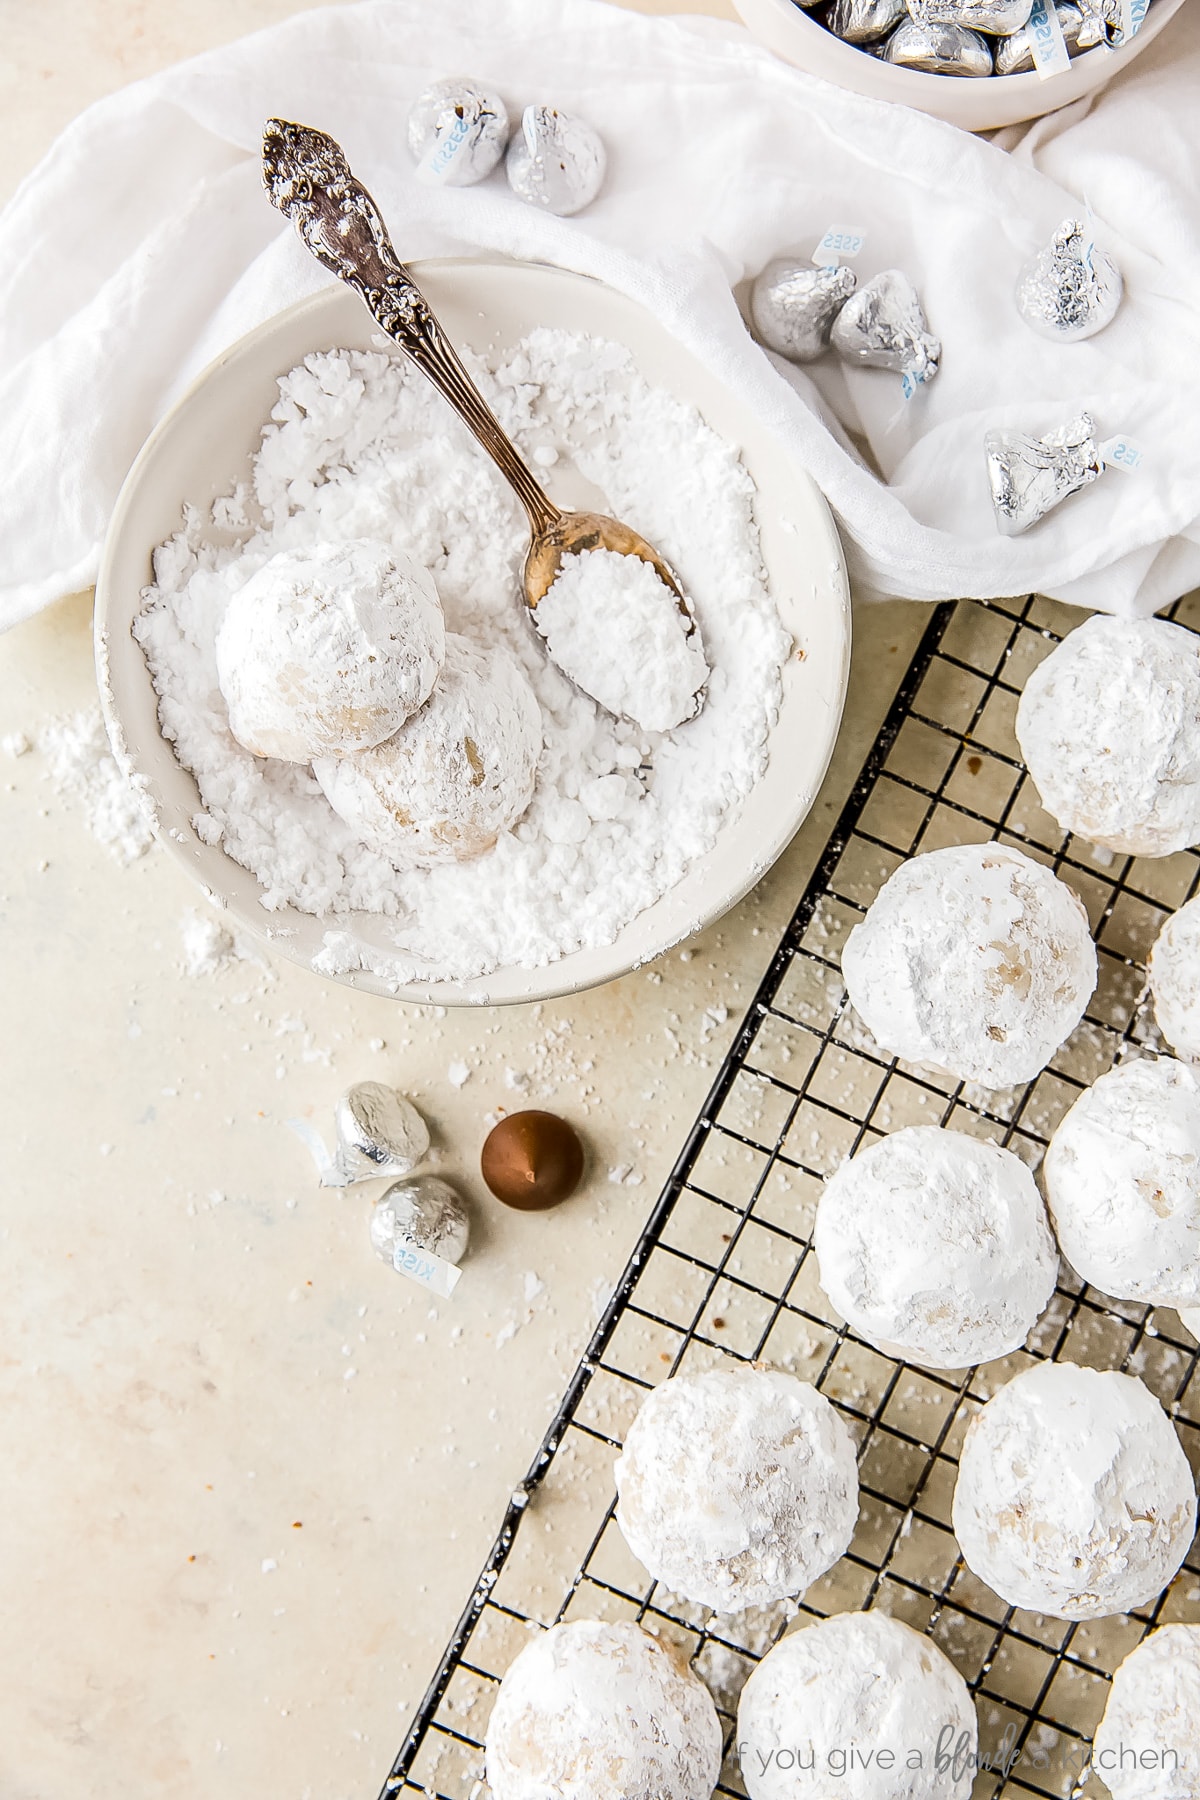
532	1160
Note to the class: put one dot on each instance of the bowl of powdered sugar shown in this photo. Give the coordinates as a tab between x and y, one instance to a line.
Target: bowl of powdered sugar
600	842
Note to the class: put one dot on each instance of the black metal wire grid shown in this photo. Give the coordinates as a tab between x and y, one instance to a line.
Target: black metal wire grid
723	1269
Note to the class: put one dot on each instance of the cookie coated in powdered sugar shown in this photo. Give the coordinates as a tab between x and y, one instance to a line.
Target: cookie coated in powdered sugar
329	649
935	1247
975	960
459	773
1153	1712
738	1486
1074	1496
1109	727
1122	1180
1174	972
592	1711
862	1683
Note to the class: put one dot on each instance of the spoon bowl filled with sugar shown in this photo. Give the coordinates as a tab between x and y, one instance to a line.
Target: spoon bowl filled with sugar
611	610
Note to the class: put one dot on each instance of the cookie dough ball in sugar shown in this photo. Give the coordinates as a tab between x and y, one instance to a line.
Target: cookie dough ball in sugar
1154	1705
458	774
974	959
861	1682
1074	1496
1109	726
1122	1180
590	1711
935	1247
738	1486
1174	971
329	649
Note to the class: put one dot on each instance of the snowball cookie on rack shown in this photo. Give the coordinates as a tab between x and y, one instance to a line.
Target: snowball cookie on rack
1074	1496
329	649
1109	726
1174	971
1122	1181
590	1711
935	1247
738	1486
974	959
458	774
1154	1705
861	1682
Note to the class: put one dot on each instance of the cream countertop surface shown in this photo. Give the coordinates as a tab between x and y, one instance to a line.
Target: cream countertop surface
250	1474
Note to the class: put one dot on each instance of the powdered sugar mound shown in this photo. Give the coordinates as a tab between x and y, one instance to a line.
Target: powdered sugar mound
591	1711
863	1683
361	446
1174	971
328	649
738	1486
210	945
1122	1178
935	1247
974	959
457	775
617	631
84	771
1154	1706
1074	1496
1109	726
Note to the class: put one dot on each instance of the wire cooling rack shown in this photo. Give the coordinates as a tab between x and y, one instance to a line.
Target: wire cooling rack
723	1269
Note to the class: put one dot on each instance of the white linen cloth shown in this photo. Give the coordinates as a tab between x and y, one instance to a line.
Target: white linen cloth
143	245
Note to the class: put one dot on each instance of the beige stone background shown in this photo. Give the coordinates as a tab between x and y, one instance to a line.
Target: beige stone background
248	1474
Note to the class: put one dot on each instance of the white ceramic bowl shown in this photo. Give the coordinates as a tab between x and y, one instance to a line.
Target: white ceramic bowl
979	104
205	443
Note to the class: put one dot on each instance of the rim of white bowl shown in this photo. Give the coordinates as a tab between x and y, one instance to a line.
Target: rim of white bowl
129	702
984	103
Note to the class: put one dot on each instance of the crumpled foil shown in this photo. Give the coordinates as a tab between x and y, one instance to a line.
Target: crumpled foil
457	131
793	305
998	17
379	1132
426	1213
883	327
555	160
864	21
1102	23
1072	288
1029	476
1014	55
939	49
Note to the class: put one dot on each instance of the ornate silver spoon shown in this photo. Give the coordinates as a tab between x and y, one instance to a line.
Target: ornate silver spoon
308	178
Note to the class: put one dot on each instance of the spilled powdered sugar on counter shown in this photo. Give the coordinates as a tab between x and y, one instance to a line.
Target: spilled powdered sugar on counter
360	446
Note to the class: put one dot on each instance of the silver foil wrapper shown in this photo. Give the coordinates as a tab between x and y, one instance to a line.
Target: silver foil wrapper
999	18
457	131
1030	476
379	1132
424	1214
883	327
1072	288
1101	23
939	49
793	305
1014	55
864	21
555	161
